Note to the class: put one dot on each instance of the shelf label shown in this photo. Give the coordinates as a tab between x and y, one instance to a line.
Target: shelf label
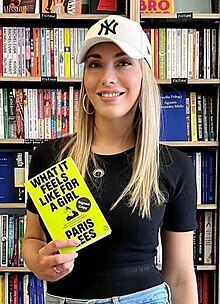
179	80
34	141
49	79
48	16
184	16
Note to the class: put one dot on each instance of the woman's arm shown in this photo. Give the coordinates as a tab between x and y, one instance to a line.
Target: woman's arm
178	268
41	257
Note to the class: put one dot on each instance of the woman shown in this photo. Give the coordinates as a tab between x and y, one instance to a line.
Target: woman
141	186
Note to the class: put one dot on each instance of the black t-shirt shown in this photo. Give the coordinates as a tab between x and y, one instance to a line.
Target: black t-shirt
122	262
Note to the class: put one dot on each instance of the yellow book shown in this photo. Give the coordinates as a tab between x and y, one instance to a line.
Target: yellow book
66	205
67	55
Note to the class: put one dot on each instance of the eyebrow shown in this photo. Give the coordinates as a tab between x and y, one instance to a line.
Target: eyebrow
98	56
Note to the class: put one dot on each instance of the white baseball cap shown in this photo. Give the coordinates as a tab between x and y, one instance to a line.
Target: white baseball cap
127	34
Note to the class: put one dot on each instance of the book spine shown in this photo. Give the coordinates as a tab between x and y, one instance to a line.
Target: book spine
23	53
193	116
19	113
67	64
61	52
5	105
40	114
53	114
11	114
43	52
184	53
19	168
10	239
4	241
52	64
56	52
14	51
162	53
9	51
1	51
174	46
48	53
4	51
28	51
2	132
179	53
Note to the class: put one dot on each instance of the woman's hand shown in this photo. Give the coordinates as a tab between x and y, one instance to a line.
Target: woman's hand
51	265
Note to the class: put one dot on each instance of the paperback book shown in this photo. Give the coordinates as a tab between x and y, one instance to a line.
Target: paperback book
66	205
21	6
61	6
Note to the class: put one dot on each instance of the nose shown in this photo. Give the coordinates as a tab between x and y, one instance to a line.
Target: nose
109	76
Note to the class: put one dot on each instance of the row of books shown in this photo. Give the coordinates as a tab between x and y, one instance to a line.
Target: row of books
21	289
12	227
206	287
184	52
205	238
38	113
63	7
188	116
40	52
205	171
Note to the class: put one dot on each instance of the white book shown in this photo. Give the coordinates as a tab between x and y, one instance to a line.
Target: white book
35	113
1	115
4	241
197	56
26	117
174	59
15	52
205	53
30	114
6	288
208	48
190	53
61	52
43	54
178	53
169	52
4	51
208	238
184	53
80	39
56	52
26	172
19	53
9	52
71	110
199	177
48	54
23	52
75	63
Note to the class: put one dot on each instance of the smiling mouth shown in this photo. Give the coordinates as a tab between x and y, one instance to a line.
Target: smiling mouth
110	95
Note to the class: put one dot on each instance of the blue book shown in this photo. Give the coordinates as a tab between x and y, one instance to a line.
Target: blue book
7	192
173	124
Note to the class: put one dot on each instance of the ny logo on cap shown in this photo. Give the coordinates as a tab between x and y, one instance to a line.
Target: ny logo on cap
108	27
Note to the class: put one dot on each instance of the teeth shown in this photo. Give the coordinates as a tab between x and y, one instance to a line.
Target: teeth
110	94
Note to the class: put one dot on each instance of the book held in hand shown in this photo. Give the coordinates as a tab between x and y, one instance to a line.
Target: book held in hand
66	205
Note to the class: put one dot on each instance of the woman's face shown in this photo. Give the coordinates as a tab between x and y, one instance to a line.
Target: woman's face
112	81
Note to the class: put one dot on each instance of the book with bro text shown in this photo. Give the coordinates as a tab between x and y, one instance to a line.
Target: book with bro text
66	205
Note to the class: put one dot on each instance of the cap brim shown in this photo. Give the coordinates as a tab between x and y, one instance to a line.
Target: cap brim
127	48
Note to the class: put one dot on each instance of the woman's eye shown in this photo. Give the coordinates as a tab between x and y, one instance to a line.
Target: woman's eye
94	65
124	63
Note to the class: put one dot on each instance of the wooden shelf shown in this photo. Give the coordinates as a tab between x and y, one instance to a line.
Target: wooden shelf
14	269
19	16
12	206
207	206
191	143
205	267
191	81
202	16
58	16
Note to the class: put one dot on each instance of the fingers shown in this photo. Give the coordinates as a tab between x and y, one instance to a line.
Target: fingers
54	246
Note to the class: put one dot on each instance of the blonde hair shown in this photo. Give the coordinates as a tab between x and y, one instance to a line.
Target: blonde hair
144	182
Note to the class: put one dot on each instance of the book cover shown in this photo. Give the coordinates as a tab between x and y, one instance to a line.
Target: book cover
66	205
61	6
156	6
20	6
113	7
173	116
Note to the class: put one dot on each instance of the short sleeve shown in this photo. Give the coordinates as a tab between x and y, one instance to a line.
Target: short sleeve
179	178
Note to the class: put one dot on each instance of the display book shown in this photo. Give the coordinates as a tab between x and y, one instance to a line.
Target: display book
190	107
66	205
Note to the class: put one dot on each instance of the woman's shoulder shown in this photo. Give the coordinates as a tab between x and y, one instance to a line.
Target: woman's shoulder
171	157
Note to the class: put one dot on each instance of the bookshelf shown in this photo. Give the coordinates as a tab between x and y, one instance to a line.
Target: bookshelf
159	20
199	22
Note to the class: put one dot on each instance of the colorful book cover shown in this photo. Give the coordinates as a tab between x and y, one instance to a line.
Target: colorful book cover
66	205
156	6
173	116
107	7
21	6
61	6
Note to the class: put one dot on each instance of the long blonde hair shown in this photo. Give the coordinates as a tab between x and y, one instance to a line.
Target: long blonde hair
144	182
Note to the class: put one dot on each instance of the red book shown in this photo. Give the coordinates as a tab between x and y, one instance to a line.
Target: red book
205	293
